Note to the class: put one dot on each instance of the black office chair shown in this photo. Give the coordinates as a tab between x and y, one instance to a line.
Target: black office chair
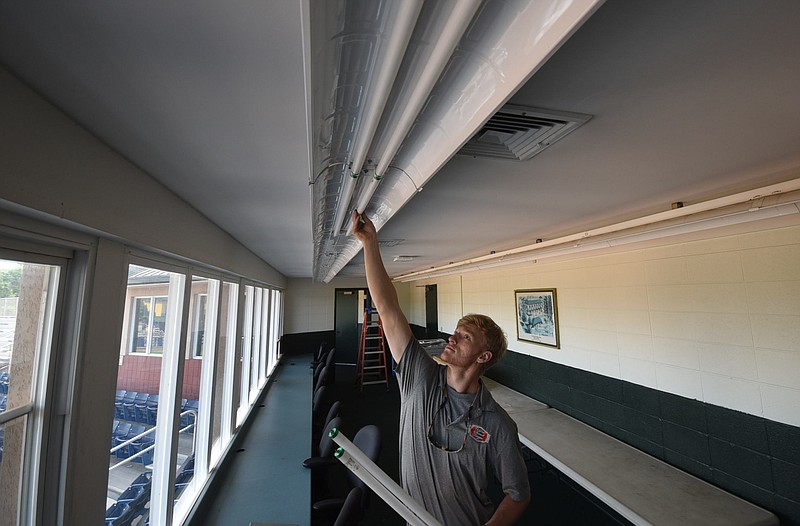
325	377
317	403
323	461
330	365
368	440
317	428
351	510
325	447
317	371
333	412
330	356
320	356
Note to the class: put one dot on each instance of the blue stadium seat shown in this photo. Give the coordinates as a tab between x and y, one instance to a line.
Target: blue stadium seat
136	497
140	407
135	446
143	444
152	409
114	427
120	436
128	406
133	493
144	479
119	514
119	411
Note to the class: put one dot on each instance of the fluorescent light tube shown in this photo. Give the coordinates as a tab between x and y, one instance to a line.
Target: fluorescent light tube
393	43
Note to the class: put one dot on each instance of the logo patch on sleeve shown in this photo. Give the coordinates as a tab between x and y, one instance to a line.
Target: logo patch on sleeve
479	434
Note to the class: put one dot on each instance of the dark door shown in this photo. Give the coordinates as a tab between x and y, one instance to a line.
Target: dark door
346	325
431	312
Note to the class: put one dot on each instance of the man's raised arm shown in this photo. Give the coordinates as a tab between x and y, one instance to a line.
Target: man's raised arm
395	326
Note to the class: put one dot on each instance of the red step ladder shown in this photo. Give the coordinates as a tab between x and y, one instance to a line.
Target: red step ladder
372	367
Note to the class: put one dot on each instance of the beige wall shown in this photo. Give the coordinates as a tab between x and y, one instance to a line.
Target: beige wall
715	320
309	306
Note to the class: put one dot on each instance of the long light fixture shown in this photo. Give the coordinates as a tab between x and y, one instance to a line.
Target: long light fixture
505	43
763	203
391	45
440	29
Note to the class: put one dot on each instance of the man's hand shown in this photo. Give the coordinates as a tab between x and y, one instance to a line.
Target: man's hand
363	228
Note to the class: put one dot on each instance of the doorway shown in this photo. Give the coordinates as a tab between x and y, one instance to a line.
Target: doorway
431	312
348	316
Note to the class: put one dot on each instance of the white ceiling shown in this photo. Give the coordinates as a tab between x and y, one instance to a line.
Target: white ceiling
690	100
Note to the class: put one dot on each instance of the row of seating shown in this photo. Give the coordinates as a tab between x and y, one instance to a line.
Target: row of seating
123	432
329	506
131	503
134	501
136	407
142	408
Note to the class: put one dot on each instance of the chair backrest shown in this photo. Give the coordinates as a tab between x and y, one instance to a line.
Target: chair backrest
329	358
317	370
351	509
368	440
136	429
316	403
326	444
333	412
324	376
122	429
144	479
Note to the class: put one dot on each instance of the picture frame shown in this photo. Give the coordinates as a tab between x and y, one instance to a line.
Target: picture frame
537	317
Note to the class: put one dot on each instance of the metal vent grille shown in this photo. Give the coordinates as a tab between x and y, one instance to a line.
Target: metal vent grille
390	242
518	132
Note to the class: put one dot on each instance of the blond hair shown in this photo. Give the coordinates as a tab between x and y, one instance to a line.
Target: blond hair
496	342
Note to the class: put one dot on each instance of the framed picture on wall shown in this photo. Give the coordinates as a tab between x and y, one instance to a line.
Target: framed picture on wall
537	317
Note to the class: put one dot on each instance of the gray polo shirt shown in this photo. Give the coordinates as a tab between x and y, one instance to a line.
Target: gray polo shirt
452	486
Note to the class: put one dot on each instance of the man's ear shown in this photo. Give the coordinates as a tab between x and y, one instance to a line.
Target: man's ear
485	357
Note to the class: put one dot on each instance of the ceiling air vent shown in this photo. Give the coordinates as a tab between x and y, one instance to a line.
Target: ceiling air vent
389	242
519	132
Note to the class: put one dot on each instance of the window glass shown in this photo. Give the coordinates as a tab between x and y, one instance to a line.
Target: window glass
275	319
138	400
222	400
199	311
193	434
246	356
256	342
28	298
149	321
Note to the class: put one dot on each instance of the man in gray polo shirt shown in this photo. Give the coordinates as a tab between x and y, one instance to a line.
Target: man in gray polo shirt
454	439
